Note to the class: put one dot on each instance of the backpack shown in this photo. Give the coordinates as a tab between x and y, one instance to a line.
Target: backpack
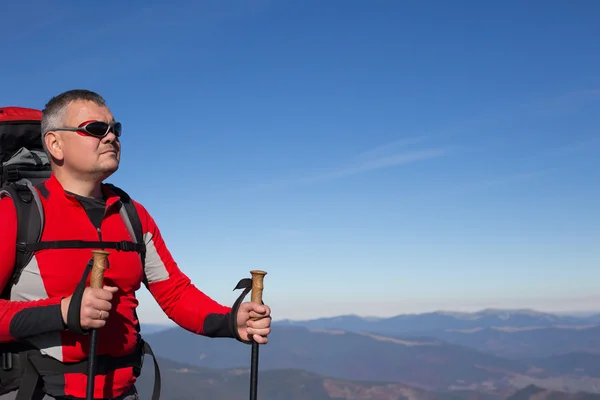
24	166
21	153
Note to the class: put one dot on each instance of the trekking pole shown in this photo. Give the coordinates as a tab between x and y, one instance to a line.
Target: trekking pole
96	282
257	290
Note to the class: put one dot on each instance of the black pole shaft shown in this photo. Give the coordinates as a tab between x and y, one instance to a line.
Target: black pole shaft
254	371
92	365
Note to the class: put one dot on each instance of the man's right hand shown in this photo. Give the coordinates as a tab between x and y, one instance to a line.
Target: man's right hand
95	307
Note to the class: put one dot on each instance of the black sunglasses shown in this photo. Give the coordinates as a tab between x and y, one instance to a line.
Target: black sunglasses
96	129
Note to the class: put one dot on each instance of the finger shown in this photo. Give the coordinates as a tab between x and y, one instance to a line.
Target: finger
258	308
112	289
94	313
260	339
259	323
98	304
257	316
258	331
103	294
92	321
96	324
95	294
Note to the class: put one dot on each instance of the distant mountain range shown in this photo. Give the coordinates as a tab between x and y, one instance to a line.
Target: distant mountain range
528	343
428	363
435	321
523	334
188	382
153	328
446	321
492	354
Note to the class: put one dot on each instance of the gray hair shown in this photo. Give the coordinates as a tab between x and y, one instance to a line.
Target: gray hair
54	112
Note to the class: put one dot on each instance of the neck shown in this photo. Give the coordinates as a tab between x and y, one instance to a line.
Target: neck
81	187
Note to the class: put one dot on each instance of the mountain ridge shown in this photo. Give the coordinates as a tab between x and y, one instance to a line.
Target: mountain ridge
430	364
188	382
456	314
496	358
520	314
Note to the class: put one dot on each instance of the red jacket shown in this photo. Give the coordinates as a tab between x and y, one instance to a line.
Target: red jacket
54	274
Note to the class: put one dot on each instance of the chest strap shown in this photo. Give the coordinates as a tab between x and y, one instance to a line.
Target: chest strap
123	245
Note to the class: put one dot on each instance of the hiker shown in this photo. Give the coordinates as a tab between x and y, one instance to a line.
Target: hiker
50	308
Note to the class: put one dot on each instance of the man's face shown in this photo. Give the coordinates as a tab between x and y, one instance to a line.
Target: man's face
87	156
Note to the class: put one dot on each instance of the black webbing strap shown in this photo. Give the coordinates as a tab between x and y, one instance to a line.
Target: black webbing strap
74	311
245	284
50	366
156	390
37	365
31	382
123	245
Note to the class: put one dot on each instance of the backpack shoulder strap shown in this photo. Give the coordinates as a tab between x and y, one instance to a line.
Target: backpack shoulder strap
135	225
30	222
132	214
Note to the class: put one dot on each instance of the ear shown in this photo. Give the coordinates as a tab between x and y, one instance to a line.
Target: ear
54	145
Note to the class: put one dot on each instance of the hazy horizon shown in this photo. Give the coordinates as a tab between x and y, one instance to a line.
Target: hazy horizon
159	318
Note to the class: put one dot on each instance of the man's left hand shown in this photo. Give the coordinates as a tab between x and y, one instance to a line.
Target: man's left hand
257	329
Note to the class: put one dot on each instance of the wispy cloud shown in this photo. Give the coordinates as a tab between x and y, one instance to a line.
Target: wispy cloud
498	181
395	153
390	147
553	165
375	164
562	103
362	164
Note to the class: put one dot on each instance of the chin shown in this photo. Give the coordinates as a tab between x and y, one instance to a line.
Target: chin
104	175
107	170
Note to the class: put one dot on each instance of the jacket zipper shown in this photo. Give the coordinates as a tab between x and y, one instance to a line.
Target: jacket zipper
98	229
102	220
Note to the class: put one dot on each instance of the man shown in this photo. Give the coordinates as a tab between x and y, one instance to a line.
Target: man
81	137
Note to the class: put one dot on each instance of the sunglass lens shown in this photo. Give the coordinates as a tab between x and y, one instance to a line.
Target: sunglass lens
117	129
97	129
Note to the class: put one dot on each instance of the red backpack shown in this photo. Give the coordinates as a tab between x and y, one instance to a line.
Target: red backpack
21	153
23	165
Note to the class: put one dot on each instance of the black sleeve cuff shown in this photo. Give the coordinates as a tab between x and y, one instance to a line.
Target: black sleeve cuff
36	321
222	325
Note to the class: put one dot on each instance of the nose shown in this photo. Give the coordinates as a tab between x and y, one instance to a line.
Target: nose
109	138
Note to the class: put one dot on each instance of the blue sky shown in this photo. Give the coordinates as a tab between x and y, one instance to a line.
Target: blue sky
375	158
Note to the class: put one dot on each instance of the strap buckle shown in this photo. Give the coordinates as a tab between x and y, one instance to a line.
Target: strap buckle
11	174
7	359
124	245
21	247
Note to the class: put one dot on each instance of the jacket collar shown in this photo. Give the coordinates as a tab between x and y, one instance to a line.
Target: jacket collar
55	188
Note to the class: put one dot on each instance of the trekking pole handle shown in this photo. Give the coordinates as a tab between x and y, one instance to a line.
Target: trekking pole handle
97	275
257	286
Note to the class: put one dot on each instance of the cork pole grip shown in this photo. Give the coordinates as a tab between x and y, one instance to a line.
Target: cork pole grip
257	286
97	275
